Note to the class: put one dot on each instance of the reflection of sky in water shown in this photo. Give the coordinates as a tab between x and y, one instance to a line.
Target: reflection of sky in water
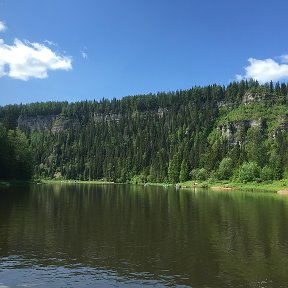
58	276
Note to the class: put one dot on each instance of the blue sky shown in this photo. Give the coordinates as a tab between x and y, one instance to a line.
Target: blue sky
77	50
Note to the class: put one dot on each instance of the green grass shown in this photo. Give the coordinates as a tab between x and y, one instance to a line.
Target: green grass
269	186
253	112
272	186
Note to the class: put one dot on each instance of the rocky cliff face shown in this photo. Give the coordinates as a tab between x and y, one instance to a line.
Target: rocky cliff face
282	126
233	132
55	123
250	97
63	122
106	117
58	123
35	123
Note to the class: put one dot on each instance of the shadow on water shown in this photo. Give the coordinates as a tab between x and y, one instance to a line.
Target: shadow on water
196	238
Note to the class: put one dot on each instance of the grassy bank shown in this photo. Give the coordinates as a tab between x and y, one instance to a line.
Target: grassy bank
271	186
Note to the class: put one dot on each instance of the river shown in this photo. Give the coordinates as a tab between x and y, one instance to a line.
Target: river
82	235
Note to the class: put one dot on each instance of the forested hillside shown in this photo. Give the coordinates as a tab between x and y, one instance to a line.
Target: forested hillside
238	131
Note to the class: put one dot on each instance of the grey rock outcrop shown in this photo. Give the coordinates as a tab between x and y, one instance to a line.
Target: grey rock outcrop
36	123
63	122
281	127
55	123
106	117
233	132
253	97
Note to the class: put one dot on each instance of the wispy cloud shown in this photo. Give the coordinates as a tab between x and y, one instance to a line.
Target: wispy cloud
84	53
50	43
2	27
25	60
266	70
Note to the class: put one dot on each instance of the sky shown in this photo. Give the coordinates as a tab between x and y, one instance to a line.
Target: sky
72	50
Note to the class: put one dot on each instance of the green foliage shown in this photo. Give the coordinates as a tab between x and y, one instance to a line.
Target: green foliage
275	162
255	147
139	179
248	172
254	111
266	173
199	174
225	169
15	155
154	138
174	169
184	171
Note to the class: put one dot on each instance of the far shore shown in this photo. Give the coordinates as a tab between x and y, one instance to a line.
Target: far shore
279	186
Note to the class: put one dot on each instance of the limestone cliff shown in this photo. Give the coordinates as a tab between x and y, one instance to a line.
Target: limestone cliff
234	132
35	123
55	123
252	112
61	122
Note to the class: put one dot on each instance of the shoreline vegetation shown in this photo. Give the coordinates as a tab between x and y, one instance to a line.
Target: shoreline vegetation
277	186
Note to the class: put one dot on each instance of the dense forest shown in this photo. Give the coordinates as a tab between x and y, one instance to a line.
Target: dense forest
238	131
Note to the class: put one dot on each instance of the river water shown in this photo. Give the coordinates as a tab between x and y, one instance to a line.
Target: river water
81	235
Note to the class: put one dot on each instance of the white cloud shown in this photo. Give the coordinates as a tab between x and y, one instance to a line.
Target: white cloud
266	70
2	27
25	60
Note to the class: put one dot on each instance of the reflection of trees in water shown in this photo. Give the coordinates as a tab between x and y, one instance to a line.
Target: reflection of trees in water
207	237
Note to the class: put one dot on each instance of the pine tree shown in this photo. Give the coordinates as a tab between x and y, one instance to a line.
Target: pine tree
174	169
184	171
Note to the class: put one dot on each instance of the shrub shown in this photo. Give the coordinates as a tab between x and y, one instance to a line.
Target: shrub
225	169
248	172
266	173
199	174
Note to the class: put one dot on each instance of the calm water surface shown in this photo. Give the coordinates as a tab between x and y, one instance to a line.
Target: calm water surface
127	236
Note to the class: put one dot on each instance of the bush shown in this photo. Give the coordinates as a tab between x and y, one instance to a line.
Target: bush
139	179
225	169
203	185
266	173
199	174
248	172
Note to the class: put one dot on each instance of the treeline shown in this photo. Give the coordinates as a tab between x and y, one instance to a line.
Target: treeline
166	137
16	161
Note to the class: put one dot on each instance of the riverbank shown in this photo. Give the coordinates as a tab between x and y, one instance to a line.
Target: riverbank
74	182
269	186
280	186
24	183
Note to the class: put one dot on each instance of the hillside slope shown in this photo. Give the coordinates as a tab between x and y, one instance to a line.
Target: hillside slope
214	131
